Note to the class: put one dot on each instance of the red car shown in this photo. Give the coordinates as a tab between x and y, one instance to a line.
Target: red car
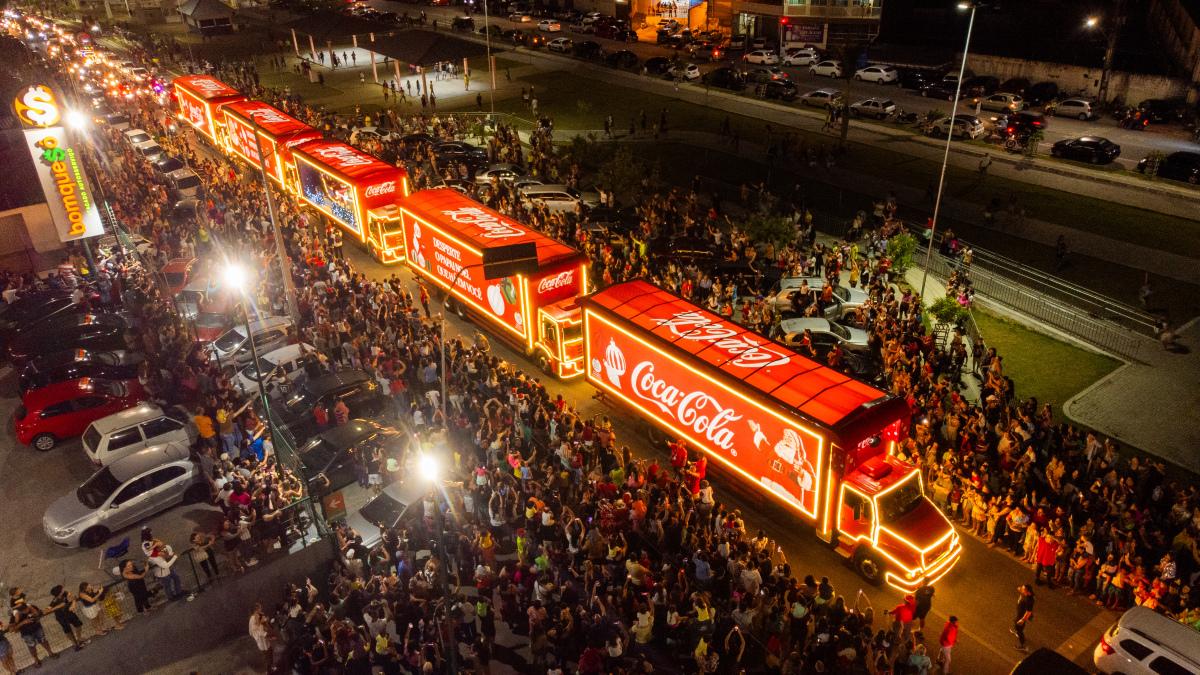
178	272
65	409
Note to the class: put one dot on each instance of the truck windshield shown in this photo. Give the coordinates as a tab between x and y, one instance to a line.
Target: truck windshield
901	500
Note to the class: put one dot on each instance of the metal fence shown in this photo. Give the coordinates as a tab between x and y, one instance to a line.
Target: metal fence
302	529
1102	333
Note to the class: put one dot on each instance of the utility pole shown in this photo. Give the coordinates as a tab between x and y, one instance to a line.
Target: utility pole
1112	31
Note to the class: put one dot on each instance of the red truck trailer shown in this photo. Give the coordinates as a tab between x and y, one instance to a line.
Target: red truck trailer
199	98
250	125
445	233
353	188
815	440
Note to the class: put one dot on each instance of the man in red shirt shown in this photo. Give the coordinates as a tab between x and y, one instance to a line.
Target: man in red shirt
948	640
903	615
678	456
1047	557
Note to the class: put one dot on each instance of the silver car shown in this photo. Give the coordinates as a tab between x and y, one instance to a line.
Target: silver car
845	300
825	334
233	347
398	502
123	493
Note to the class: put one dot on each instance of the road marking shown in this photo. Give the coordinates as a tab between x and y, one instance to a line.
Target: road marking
1082	641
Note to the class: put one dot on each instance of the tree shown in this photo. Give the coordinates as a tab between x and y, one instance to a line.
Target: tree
623	174
900	249
947	311
769	229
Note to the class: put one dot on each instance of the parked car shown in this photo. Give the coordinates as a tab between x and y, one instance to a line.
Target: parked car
685	71
123	433
505	173
623	59
283	367
940	89
782	90
32	378
1016	85
234	348
981	86
1025	122
590	50
1091	149
1074	107
29	311
1041	93
656	65
166	164
63	410
520	17
60	359
135	137
1183	166
456	151
328	460
877	74
800	56
879	108
916	78
562	45
107	245
177	273
1144	642
183	183
726	78
965	126
400	502
826	69
559	198
764	74
1005	103
360	391
789	298
90	331
549	26
625	35
825	334
1162	111
762	57
822	98
737	43
124	493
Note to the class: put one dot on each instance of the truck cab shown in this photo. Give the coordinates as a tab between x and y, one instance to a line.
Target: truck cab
890	530
385	237
559	343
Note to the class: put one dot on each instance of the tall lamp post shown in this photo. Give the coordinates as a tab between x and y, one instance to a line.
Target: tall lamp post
237	277
429	470
1112	30
937	202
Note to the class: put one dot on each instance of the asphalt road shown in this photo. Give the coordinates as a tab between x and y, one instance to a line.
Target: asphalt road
1134	144
980	591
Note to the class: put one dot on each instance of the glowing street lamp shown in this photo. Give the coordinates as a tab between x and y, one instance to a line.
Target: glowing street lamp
76	120
428	468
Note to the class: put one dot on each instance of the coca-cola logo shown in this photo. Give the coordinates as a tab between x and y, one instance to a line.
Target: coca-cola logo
492	226
745	350
378	189
209	85
342	156
560	280
268	116
694	410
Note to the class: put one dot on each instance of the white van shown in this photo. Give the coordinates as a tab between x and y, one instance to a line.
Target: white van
283	364
110	438
559	198
184	183
233	347
1144	642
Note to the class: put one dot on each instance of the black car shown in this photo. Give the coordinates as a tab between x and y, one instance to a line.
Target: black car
1041	93
1184	166
657	65
166	164
917	78
784	90
494	30
1161	111
622	59
1016	85
32	378
726	78
590	50
1091	149
613	220
625	35
1025	122
981	85
463	23
678	40
513	35
943	89
328	459
362	394
31	310
98	332
459	151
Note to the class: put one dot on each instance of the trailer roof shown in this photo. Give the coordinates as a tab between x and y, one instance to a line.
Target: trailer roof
344	160
818	392
480	227
269	119
205	87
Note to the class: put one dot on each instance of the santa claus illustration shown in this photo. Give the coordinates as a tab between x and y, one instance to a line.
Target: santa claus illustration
791	461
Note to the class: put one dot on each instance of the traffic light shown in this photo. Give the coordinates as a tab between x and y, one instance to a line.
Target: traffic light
783	21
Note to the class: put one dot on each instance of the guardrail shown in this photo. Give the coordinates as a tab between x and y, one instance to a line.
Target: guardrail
1101	333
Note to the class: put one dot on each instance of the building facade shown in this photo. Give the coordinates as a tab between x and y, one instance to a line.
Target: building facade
823	23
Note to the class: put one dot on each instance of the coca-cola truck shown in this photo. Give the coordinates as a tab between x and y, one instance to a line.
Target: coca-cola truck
200	97
811	438
445	234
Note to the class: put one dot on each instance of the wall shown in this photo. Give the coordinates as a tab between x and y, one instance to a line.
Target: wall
36	221
1132	87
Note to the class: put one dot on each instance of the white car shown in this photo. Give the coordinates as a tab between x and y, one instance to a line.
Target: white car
520	17
877	74
790	298
563	45
965	126
797	56
762	57
1144	642
685	71
878	108
549	26
1002	103
285	364
826	69
825	334
822	98
1075	107
137	136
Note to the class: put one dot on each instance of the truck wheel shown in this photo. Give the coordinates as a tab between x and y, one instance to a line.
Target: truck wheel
868	568
93	537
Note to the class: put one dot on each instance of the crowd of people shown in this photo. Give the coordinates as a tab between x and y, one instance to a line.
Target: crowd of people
602	561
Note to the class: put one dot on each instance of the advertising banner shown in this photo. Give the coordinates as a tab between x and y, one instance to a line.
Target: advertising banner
58	165
730	424
441	256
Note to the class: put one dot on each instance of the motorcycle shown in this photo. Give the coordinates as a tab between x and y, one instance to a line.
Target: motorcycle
1134	120
901	117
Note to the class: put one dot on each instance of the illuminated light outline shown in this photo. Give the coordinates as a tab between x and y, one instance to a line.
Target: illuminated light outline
358	211
841	502
394	254
590	313
524	282
446	286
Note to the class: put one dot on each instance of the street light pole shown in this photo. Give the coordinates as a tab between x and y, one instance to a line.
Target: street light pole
236	276
1112	29
429	470
285	266
937	202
